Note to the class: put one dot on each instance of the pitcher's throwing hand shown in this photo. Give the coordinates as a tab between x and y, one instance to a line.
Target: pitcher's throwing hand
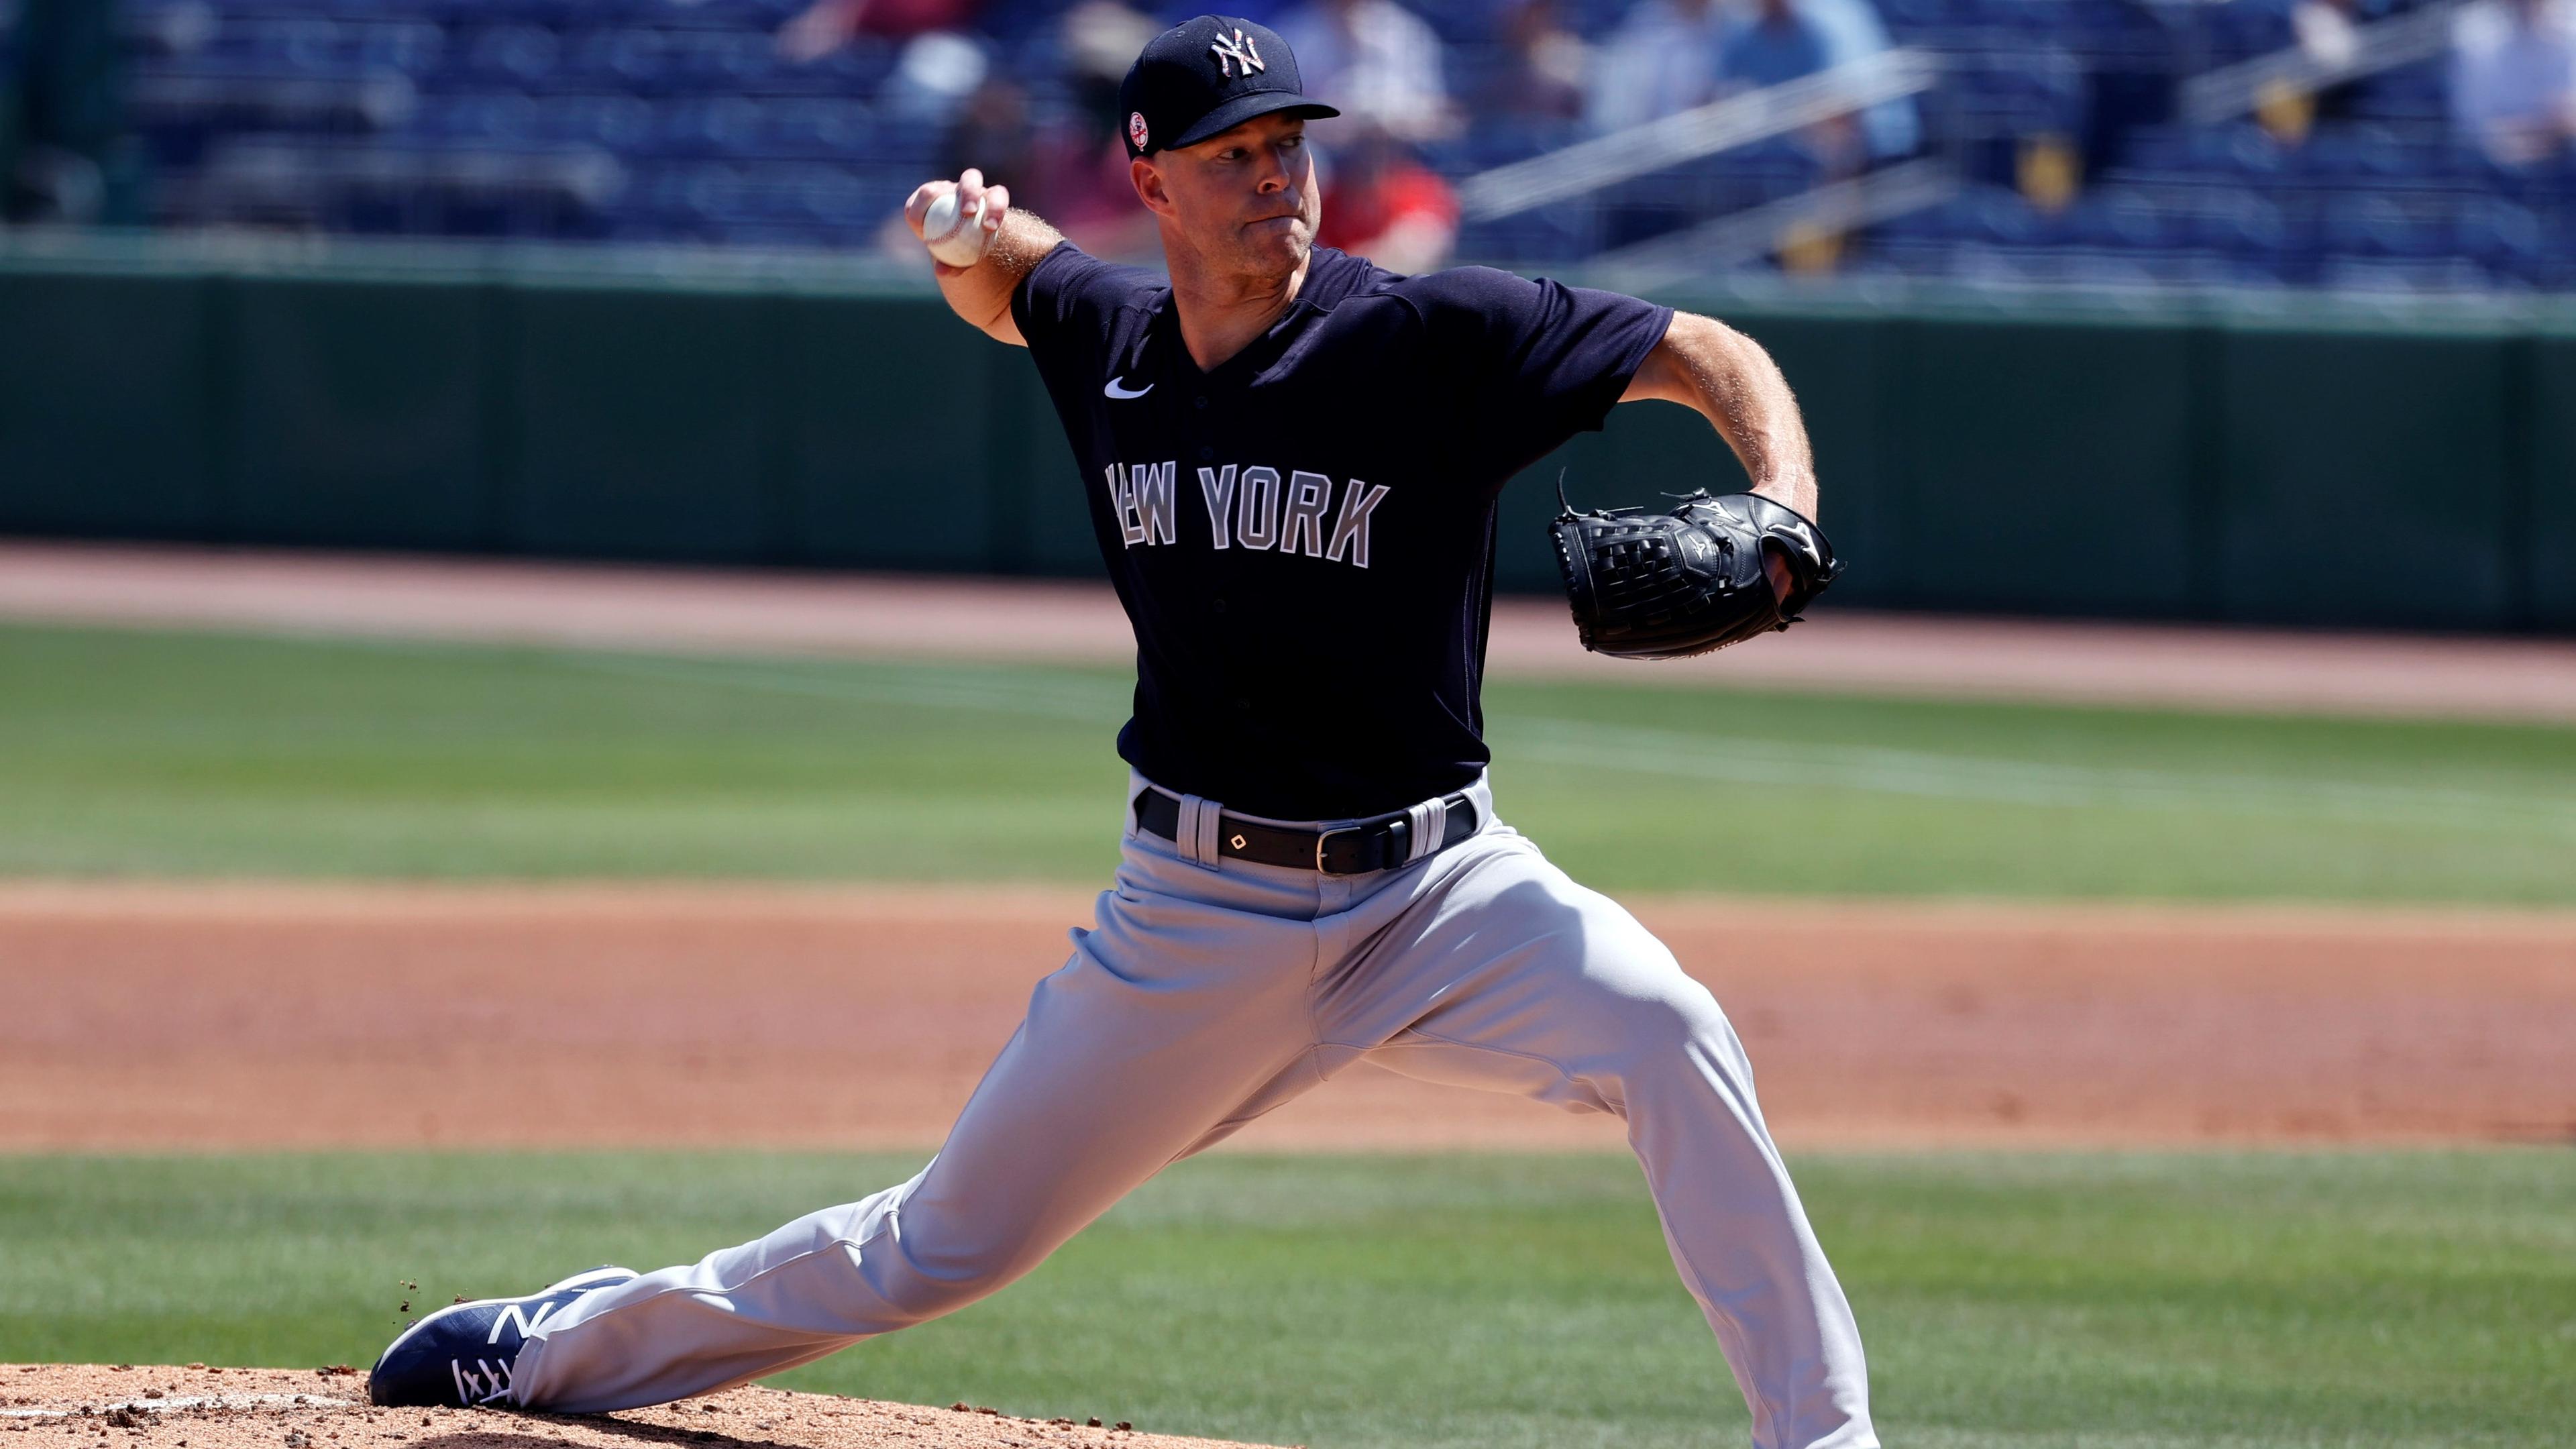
957	219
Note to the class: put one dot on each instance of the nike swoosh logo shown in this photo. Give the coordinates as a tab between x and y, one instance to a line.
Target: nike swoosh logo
1122	394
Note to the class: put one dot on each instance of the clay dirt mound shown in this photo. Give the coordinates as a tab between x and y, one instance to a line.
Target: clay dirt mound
98	1406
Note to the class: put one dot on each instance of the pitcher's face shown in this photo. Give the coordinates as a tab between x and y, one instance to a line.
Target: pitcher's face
1244	200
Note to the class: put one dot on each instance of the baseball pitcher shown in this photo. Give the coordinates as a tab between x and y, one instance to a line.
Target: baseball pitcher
1292	459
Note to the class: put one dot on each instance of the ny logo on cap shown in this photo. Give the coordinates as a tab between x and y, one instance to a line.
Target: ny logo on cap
1236	49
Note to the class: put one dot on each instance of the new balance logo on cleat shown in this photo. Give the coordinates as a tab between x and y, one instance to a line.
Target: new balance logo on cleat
467	1355
516	1314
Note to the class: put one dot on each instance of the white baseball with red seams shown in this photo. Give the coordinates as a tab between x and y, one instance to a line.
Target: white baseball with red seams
955	234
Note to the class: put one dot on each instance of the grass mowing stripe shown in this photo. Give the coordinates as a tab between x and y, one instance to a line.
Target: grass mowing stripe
1742	759
213	755
1438	1302
929	687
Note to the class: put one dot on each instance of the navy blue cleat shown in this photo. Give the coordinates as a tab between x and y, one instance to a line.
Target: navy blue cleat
461	1355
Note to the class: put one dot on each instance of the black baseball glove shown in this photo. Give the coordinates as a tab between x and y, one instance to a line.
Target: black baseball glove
1668	585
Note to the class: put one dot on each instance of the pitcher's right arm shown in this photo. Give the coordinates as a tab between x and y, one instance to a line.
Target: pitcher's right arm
1019	241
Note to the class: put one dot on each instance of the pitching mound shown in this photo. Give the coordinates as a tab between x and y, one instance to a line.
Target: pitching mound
95	1406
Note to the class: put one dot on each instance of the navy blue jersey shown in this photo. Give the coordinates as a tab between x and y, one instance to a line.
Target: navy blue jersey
1304	537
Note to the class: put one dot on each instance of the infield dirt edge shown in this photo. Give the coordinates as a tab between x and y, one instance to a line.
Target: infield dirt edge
761	1016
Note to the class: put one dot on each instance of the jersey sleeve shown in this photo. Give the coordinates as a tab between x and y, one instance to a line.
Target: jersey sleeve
1067	302
1545	361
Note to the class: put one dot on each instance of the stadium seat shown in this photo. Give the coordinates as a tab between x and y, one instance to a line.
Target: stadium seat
497	117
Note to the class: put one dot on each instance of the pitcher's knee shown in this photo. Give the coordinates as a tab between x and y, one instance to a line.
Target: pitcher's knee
1660	1026
1636	979
1675	1025
919	1296
896	1260
933	1268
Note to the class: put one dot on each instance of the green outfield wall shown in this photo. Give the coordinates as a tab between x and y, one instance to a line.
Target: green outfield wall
2296	461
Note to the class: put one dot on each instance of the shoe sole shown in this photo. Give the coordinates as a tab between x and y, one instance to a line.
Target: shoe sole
594	1278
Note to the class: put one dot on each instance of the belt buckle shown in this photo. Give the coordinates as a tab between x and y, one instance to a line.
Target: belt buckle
1322	836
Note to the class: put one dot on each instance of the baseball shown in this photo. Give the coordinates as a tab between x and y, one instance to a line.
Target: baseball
955	236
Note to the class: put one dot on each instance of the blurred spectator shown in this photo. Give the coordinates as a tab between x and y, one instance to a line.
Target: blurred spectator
1672	55
64	151
1101	39
1781	44
1663	58
936	74
1076	177
1261	12
1543	67
1083	186
1853	31
2328	31
2513	78
2328	35
2048	171
1070	167
1073	173
1381	203
992	133
827	25
1374	60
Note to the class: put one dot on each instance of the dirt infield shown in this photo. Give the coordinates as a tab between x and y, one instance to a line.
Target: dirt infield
213	1016
777	612
197	1407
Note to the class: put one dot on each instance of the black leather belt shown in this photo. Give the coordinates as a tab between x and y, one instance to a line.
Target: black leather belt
1379	843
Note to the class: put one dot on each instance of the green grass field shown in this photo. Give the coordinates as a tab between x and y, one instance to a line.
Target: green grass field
142	754
2094	1302
1493	1302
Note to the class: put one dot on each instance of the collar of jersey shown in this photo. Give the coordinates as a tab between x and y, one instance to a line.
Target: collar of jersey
1331	277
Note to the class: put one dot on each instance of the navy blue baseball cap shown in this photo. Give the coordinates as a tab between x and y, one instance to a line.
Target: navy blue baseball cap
1205	76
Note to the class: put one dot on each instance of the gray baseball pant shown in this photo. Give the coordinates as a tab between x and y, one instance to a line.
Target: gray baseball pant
1208	992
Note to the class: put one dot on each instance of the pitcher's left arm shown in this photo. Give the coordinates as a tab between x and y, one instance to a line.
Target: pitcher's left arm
1727	378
